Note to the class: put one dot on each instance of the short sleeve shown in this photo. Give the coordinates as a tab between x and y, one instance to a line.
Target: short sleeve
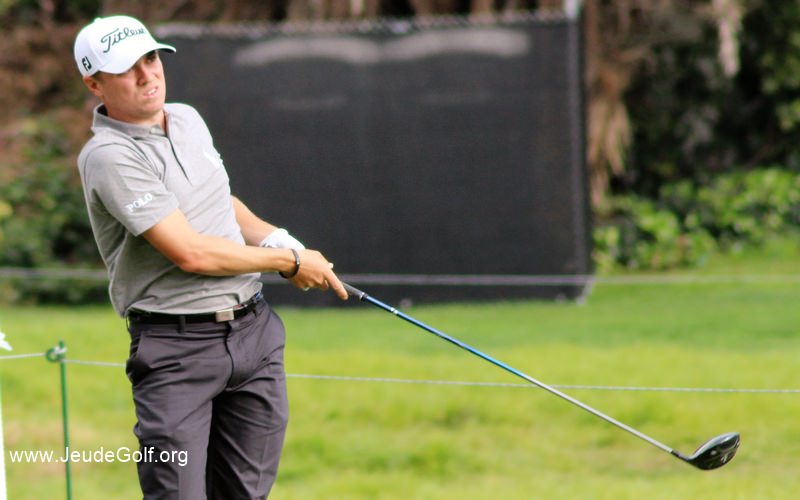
128	187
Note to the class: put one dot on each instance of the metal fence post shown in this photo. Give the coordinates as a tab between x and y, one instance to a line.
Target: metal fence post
56	355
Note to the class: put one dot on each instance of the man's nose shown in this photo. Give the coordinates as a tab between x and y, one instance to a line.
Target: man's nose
143	74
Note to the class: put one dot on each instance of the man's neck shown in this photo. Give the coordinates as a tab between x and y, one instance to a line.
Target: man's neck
159	119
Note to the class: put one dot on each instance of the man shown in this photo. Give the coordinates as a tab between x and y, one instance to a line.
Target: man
184	257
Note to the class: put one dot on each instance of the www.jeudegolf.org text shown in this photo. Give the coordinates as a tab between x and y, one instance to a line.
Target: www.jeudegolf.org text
122	454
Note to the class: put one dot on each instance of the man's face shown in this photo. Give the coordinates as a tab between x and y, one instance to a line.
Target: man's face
136	96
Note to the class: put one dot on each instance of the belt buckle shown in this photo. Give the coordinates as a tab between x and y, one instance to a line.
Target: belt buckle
224	315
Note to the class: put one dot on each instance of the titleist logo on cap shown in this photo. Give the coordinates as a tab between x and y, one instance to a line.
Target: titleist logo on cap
119	35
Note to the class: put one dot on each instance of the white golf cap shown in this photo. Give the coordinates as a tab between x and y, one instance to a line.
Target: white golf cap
113	45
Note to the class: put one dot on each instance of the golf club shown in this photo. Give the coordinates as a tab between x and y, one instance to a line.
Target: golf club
712	454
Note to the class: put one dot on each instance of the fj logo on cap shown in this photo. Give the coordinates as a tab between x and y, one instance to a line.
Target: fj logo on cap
118	35
87	64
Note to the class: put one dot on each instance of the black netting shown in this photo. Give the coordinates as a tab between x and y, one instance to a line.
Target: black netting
400	147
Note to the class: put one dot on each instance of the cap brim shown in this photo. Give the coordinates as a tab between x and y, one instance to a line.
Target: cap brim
126	62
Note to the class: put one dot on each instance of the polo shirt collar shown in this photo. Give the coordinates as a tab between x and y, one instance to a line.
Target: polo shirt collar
101	119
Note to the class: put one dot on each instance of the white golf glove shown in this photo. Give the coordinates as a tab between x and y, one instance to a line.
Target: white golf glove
280	238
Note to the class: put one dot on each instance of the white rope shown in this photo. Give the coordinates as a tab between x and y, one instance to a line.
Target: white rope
558	386
21	356
95	363
385	380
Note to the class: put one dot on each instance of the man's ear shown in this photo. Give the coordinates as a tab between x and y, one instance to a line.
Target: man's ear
93	85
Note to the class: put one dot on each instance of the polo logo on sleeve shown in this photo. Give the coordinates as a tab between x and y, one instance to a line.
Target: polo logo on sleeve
139	203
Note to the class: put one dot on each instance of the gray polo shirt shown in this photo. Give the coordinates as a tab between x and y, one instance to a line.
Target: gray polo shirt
133	177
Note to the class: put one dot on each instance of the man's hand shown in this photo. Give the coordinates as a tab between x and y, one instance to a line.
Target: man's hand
316	272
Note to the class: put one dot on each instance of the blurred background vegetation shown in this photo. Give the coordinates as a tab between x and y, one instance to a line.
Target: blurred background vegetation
692	106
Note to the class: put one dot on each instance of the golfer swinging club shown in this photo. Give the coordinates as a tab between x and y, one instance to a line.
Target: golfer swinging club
184	257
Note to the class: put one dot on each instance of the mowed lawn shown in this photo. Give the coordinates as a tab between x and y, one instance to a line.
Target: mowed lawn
390	440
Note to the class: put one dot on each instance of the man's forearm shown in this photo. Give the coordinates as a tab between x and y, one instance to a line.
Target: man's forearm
193	252
197	253
254	229
214	256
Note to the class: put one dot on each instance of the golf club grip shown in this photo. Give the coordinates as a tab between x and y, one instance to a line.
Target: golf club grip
351	290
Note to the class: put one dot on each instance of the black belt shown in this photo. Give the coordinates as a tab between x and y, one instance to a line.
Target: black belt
221	316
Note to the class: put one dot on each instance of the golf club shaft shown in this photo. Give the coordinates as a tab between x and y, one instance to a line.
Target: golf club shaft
364	297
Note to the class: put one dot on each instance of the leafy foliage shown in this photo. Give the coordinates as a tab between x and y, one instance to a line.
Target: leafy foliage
642	235
688	222
693	119
776	47
43	222
680	104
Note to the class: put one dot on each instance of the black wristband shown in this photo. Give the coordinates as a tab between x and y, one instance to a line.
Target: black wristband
296	266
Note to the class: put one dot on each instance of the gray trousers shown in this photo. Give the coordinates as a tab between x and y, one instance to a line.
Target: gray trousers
211	406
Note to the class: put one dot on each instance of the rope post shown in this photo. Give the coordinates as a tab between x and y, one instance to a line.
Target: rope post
56	355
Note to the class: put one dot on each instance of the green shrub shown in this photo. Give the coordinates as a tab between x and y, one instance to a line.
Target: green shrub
687	223
43	221
637	234
744	208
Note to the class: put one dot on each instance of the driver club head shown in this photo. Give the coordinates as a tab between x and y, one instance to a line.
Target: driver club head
715	452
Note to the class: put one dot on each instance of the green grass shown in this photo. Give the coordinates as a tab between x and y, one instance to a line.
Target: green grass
353	439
